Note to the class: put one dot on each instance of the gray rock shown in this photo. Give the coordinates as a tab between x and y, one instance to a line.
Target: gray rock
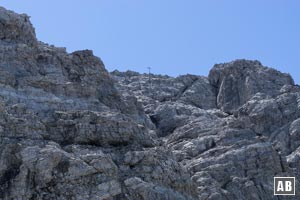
139	189
236	82
65	128
16	28
70	130
153	90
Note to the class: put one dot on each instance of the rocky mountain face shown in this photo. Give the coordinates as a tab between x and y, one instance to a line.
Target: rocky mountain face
71	130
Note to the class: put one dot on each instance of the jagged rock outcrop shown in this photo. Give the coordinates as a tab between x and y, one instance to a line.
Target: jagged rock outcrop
71	130
16	28
66	131
236	82
245	135
152	90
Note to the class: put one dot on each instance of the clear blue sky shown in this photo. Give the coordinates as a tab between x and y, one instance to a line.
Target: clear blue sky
172	36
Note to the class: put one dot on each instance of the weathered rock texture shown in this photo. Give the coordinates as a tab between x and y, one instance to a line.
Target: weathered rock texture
71	130
236	82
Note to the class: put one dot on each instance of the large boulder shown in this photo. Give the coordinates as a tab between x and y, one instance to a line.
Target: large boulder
236	82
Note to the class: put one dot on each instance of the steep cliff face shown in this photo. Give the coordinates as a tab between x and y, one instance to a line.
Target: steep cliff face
67	133
241	132
71	130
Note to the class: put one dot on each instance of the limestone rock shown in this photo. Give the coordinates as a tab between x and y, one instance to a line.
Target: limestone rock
71	130
16	28
153	90
65	128
236	82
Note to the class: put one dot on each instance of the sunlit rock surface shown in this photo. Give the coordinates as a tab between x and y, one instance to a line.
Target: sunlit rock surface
71	130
